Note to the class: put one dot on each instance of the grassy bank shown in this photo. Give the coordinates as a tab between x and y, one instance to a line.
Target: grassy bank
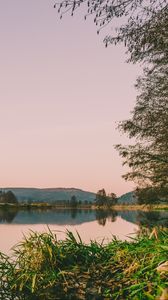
141	207
44	268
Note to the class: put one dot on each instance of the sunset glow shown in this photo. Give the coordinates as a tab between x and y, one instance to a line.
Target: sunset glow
61	95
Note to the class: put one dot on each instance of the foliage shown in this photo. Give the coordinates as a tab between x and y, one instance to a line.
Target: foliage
151	195
101	197
142	27
73	201
111	199
8	198
105	200
148	157
44	268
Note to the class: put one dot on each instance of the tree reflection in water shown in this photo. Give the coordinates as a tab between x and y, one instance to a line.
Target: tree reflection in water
7	214
102	215
74	212
64	216
153	218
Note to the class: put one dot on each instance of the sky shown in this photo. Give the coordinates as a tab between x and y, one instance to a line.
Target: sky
62	94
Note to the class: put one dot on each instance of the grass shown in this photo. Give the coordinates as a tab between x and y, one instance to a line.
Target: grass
43	268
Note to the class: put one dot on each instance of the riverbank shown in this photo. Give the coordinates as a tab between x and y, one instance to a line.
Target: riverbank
46	269
45	205
142	207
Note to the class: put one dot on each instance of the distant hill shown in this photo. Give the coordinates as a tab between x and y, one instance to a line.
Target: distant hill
51	194
127	198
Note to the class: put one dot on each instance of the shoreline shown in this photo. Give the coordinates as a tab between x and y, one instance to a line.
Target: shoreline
85	206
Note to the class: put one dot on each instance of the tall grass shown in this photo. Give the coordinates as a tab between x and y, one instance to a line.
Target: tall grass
44	268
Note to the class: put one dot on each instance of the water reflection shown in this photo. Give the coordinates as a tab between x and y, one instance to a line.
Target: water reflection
7	215
153	218
79	216
74	213
100	225
103	215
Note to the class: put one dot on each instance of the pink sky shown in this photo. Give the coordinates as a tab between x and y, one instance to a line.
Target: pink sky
61	94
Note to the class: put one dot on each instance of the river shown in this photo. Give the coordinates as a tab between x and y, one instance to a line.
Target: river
99	225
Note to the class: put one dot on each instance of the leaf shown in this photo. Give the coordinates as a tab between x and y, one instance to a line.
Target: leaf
33	283
164	247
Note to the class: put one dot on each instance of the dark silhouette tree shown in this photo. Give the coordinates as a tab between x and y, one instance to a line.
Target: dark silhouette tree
111	199
148	157
73	201
101	198
142	23
8	198
143	28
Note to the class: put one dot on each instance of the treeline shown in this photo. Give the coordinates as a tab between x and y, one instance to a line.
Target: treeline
102	199
72	202
9	198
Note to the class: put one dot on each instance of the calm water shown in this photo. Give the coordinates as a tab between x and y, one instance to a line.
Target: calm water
91	225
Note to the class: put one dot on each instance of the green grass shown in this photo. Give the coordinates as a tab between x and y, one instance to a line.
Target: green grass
46	269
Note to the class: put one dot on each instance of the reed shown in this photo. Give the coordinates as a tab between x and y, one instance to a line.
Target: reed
44	268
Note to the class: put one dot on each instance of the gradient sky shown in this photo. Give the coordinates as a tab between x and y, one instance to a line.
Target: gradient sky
61	94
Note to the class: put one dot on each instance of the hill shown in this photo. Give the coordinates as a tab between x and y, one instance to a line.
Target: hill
127	198
50	194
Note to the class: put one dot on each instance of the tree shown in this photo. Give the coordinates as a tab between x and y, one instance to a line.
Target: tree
111	199
105	200
143	30
143	23
73	201
8	197
101	197
148	157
